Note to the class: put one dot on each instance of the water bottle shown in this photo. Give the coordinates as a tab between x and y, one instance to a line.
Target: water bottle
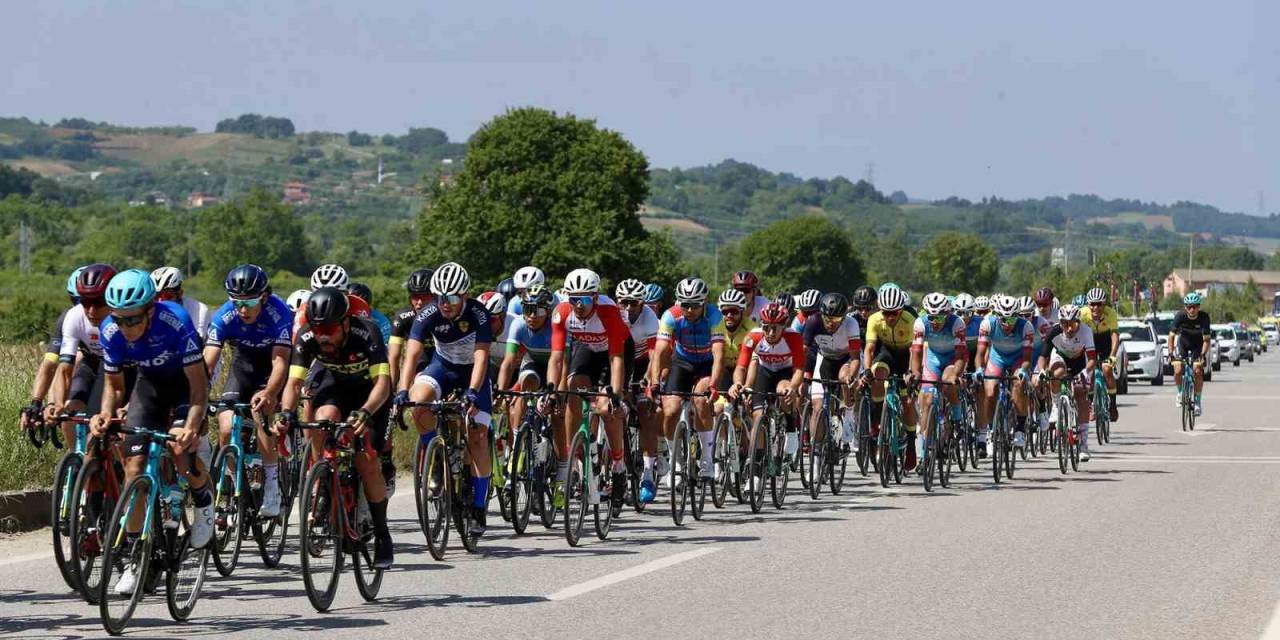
540	451
255	473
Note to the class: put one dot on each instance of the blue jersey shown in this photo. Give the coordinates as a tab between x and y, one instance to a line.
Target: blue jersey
536	344
516	308
1006	348
169	344
693	339
971	328
273	328
384	324
455	339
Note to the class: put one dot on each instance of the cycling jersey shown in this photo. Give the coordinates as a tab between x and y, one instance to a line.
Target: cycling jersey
199	314
534	345
1190	333
758	304
169	344
787	353
362	357
644	331
896	337
273	328
54	345
1104	323
1004	347
835	346
693	339
1052	316
1069	347
384	324
602	331
733	339
79	334
1039	329
455	339
939	344
798	322
972	328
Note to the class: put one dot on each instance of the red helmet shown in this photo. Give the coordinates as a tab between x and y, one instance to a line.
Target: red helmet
745	280
774	313
1044	295
93	279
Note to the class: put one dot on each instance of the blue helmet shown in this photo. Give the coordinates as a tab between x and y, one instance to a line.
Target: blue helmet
652	293
1079	300
1191	299
71	283
130	289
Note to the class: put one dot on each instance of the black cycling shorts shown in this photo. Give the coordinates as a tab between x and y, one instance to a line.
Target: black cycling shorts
151	406
767	382
899	362
684	375
595	364
349	394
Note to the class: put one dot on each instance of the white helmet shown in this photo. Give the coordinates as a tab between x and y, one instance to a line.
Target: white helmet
937	303
1096	295
298	298
963	303
582	281
1068	312
450	279
166	278
691	290
733	298
808	300
982	303
1006	306
1026	305
495	303
891	299
526	277
629	289
330	275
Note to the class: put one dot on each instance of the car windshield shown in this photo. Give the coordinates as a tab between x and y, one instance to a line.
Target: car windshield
1225	334
1268	327
1136	333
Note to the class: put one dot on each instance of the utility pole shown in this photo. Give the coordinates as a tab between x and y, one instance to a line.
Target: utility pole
24	248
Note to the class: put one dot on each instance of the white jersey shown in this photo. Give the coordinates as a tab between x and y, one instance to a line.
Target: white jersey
1058	343
644	331
199	313
78	333
1052	316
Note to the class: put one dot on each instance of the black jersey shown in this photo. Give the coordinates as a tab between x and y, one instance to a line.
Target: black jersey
362	357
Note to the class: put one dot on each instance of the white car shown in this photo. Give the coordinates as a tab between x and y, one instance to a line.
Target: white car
1230	344
1273	336
1143	348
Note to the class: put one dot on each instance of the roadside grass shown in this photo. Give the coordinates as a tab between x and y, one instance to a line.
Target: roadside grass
21	465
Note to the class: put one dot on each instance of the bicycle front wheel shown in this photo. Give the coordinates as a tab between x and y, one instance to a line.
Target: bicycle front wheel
91	507
521	484
321	536
226	511
123	556
753	483
782	471
187	566
436	497
575	491
817	456
679	472
720	461
61	516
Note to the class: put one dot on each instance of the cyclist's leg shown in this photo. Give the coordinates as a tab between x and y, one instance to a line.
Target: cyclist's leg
706	434
478	445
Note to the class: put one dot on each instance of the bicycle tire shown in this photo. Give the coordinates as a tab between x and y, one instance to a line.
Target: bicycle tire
805	447
227	508
837	460
272	533
114	611
1011	457
521	481
720	461
320	532
679	472
602	511
945	458
60	516
817	455
575	499
368	577
930	446
88	548
185	578
756	459
1063	435
778	482
436	497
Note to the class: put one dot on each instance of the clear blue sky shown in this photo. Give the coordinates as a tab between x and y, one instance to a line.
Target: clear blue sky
1152	100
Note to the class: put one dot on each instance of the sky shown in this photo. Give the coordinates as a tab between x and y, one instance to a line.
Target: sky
1158	101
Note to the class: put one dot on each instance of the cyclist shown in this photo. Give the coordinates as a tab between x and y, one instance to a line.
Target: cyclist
644	337
807	305
351	381
160	340
298	299
1189	338
1047	305
47	383
601	346
749	285
771	360
1068	350
938	352
168	283
419	287
1004	348
80	352
528	349
887	351
496	304
1105	324
332	275
259	325
833	342
362	291
973	325
1040	328
463	333
691	344
653	298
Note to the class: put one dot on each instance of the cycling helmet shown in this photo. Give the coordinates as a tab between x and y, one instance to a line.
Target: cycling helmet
891	299
166	278
1096	294
652	293
327	306
536	296
93	279
937	303
450	279
1068	312
1005	306
495	303
130	289
630	289
982	303
888	285
864	297
245	281
1044	295
774	313
1026	306
526	277
71	282
745	280
786	301
419	282
362	291
507	288
833	304
330	275
733	298
582	282
963	303
1192	298
1078	300
808	301
298	298
691	290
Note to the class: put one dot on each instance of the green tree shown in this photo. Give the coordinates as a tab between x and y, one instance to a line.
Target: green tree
555	191
258	228
957	262
802	252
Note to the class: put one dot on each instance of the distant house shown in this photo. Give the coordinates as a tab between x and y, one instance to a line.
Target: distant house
296	192
1180	281
200	199
152	199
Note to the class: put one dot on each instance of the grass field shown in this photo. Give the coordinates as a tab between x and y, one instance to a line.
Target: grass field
21	465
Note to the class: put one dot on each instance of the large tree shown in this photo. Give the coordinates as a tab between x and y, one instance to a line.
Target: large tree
957	262
551	190
258	228
801	253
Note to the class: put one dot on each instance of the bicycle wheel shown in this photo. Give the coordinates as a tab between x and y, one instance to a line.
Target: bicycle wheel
271	533
544	488
521	481
698	486
753	483
806	447
635	463
226	511
419	464
498	464
866	456
1073	444
187	566
121	555
1101	413
837	457
321	537
91	507
782	476
720	461
1062	435
602	511
930	446
817	455
368	577
575	490
436	497
679	472
60	516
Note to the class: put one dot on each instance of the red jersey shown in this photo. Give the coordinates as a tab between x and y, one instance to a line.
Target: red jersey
603	330
788	353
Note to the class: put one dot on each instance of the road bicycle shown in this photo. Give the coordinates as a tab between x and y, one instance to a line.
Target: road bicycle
442	480
1188	393
1101	407
522	465
590	478
827	456
239	487
891	444
1002	419
939	450
766	453
686	458
92	499
728	456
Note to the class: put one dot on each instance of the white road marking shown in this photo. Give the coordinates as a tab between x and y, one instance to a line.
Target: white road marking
1272	632
1215	398
626	574
1190	459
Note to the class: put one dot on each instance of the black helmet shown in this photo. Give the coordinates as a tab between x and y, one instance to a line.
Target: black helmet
833	304
864	297
507	288
536	296
327	305
786	301
246	281
419	281
362	291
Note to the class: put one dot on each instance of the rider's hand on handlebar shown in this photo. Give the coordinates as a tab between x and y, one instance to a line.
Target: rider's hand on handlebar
284	422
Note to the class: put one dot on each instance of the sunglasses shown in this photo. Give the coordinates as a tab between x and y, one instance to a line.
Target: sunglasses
167	294
982	312
832	319
249	303
422	298
452	300
1191	307
937	318
93	302
328	330
1097	304
690	306
630	304
130	321
534	312
580	301
730	311
892	314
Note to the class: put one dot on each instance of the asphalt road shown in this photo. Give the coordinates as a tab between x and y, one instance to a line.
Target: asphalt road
1162	535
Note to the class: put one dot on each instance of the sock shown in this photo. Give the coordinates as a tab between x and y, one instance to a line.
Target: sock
272	472
202	497
1197	397
562	472
648	468
480	492
708	439
379	512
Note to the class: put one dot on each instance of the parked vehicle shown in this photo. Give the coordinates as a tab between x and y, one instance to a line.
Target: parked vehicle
1143	349
1230	343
